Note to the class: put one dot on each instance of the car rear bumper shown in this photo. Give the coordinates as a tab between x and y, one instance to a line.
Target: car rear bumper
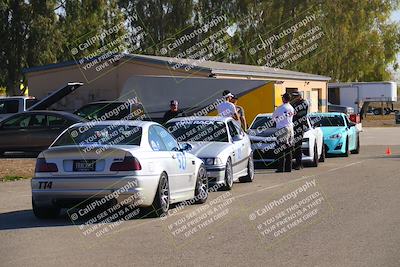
70	192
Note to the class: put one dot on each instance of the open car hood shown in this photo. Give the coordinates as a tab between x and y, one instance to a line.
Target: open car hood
56	96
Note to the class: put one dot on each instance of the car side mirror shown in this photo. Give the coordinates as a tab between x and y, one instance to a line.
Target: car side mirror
237	137
185	147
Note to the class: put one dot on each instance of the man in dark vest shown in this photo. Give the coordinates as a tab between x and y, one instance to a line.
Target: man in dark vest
299	126
173	112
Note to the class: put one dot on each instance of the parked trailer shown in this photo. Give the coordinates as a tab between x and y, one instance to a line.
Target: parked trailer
199	94
360	94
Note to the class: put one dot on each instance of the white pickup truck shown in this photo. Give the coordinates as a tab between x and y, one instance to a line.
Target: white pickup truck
15	104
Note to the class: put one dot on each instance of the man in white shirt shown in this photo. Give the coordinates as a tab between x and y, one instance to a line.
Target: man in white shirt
226	108
283	117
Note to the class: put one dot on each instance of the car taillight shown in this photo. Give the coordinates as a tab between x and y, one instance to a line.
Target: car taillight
129	164
43	166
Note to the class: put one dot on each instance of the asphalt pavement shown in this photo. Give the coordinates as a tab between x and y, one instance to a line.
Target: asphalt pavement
342	213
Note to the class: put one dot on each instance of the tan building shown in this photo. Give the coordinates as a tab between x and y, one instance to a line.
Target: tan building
105	79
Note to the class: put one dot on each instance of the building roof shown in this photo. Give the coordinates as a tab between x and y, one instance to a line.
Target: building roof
344	84
212	67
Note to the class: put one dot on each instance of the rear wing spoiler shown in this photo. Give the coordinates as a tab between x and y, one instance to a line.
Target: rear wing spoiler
56	96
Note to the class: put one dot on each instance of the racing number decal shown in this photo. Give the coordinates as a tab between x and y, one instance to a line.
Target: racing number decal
45	185
181	161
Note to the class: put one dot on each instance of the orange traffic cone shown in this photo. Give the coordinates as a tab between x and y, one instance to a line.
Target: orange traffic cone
388	151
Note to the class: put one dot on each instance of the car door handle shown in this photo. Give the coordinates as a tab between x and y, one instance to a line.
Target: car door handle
233	153
173	156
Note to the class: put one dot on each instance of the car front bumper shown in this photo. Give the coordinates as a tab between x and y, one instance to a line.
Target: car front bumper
335	146
216	175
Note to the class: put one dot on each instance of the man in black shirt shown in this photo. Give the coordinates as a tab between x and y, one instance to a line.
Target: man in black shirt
173	112
299	126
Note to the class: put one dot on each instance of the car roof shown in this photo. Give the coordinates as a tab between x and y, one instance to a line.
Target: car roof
327	114
52	112
17	97
138	123
204	118
264	115
103	102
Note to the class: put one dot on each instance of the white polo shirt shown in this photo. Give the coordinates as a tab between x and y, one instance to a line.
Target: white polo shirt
226	109
283	116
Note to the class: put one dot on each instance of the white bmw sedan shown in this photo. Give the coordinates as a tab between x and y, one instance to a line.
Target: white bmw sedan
222	145
262	135
97	159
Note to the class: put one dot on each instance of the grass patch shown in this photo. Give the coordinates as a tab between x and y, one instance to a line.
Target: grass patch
9	178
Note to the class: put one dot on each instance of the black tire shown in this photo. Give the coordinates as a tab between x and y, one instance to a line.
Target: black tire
357	150
347	153
323	154
314	163
228	176
161	200
201	190
45	212
250	171
376	112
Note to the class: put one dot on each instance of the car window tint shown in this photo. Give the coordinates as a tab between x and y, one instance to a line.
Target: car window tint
30	102
239	129
264	122
38	121
53	121
155	140
348	122
198	130
104	134
16	122
328	121
8	106
232	129
169	141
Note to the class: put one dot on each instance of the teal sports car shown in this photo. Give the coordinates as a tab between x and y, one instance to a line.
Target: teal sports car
340	134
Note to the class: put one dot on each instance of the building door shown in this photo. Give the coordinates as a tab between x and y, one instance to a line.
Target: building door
319	92
313	100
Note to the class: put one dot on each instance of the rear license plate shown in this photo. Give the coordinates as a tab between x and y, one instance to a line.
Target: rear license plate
84	166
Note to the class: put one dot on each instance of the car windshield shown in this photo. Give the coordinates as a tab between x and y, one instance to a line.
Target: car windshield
101	135
263	122
198	130
327	121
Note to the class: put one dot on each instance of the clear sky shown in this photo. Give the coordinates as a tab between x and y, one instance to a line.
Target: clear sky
396	17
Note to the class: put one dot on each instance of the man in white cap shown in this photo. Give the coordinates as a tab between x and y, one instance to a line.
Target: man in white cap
226	108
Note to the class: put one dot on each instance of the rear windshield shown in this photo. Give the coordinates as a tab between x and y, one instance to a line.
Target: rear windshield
325	121
101	135
8	106
31	102
263	122
198	130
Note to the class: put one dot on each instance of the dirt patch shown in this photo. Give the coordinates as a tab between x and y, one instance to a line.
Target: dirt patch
16	168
